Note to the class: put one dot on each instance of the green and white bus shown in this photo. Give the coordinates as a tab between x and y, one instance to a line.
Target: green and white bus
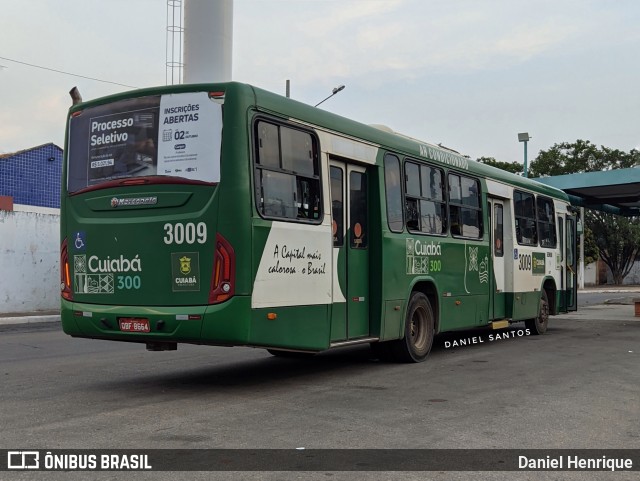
223	214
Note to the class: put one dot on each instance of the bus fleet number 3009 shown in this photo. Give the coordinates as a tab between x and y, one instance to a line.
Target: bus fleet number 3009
189	233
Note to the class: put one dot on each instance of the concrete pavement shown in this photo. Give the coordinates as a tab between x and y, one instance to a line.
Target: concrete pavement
618	308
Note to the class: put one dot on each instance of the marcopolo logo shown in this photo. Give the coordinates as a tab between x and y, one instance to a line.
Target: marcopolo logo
133	201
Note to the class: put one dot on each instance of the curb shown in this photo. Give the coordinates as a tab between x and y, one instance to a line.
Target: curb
608	291
7	321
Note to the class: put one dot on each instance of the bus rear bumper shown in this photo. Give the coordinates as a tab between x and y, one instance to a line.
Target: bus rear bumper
219	324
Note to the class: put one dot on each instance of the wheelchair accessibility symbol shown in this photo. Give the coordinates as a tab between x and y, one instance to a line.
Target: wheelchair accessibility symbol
79	241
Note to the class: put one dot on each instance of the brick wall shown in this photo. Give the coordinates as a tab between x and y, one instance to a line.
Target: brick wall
32	176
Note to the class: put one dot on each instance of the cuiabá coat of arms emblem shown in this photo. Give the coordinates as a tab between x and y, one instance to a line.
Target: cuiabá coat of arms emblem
185	265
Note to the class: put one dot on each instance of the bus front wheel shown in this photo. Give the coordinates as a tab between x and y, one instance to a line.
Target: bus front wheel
418	331
540	323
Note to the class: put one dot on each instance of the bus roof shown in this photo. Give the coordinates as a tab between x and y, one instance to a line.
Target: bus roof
383	137
397	142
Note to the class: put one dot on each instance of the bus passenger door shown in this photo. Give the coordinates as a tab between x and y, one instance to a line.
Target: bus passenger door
562	301
497	282
349	199
571	299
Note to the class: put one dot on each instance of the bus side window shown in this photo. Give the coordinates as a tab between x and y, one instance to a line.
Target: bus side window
525	218
561	236
465	209
358	210
425	206
308	199
278	194
287	173
546	223
498	232
337	204
412	214
393	193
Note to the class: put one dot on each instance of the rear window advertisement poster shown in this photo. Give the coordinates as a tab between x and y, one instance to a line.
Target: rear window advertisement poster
177	135
123	145
190	134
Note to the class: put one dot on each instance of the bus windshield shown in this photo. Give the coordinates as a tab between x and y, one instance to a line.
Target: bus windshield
175	135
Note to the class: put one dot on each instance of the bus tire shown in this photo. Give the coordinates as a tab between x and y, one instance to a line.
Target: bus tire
291	354
539	324
419	329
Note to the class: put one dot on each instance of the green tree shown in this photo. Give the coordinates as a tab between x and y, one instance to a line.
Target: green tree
513	167
580	156
618	241
591	250
616	238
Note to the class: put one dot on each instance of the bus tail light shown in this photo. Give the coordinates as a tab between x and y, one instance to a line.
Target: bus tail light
65	276
224	272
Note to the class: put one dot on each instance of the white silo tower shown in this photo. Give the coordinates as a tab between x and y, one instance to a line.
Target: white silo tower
208	40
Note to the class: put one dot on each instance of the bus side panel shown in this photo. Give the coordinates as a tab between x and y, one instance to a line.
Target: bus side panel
377	278
523	305
531	268
227	323
299	327
292	290
69	323
393	322
461	312
460	269
394	285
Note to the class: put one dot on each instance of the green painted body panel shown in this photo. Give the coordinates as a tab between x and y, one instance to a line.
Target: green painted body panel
351	319
304	327
500	306
358	296
339	309
338	321
126	235
456	272
393	320
522	305
227	323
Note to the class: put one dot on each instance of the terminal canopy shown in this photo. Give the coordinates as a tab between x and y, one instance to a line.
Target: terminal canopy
613	191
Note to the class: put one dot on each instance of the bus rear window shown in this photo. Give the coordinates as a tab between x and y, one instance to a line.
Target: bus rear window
164	135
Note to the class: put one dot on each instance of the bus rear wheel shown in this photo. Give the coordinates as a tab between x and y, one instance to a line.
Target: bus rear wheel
540	323
419	330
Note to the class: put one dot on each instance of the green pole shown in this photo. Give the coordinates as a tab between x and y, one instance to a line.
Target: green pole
526	171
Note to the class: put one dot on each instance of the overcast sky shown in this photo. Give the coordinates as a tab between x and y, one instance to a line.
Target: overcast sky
469	74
